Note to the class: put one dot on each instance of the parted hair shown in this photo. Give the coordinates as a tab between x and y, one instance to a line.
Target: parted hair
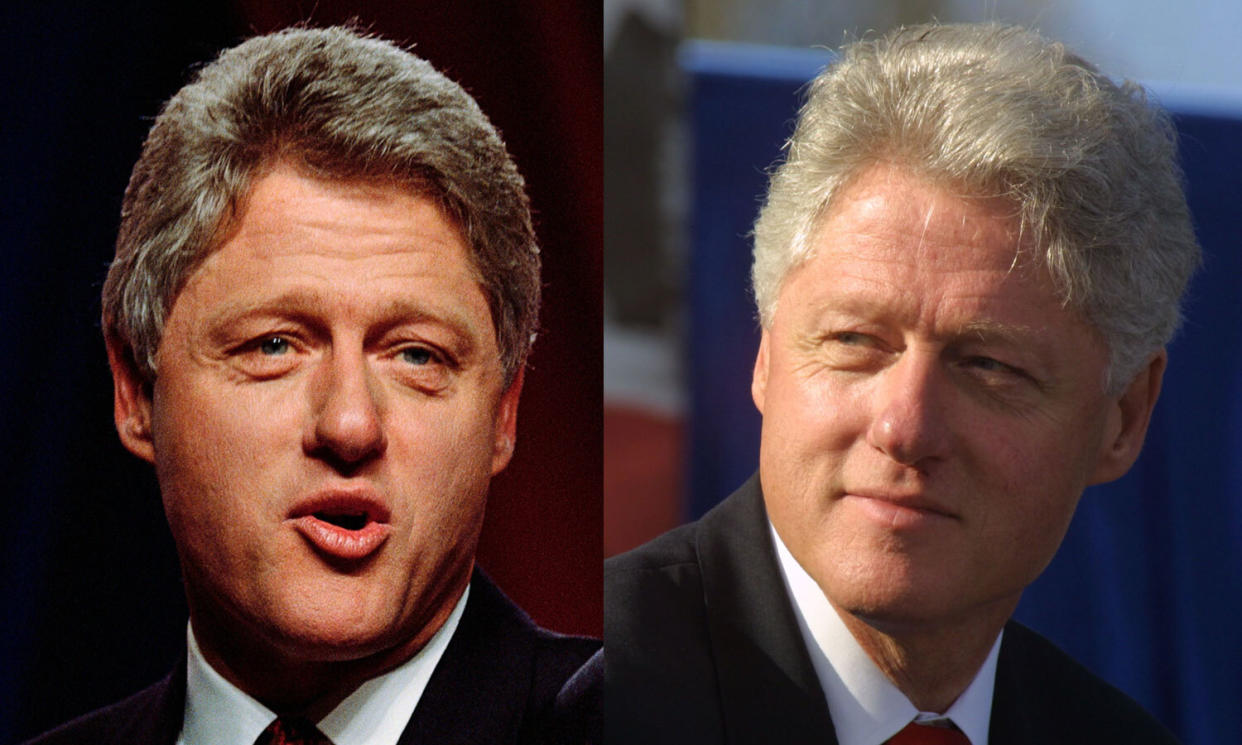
337	105
1089	165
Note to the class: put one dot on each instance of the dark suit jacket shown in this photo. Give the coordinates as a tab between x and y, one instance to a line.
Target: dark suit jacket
501	680
702	646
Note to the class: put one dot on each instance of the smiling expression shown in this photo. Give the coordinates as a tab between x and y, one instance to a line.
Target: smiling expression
931	410
327	416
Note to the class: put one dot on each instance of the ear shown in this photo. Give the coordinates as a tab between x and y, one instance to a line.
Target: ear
1126	425
505	432
759	381
131	400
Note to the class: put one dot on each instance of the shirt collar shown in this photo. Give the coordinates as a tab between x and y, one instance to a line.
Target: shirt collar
866	708
216	711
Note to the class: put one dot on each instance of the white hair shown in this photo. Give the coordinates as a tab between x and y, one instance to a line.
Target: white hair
1091	167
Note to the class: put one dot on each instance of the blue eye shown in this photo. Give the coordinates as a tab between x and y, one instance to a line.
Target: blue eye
417	356
274	346
989	364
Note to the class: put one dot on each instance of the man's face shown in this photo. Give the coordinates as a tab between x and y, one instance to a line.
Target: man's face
327	416
931	411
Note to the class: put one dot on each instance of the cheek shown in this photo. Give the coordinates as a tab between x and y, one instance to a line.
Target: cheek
812	414
219	470
441	431
442	455
812	428
1028	487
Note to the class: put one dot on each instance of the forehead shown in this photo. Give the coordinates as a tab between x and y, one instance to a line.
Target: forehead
315	246
887	208
284	207
903	252
926	244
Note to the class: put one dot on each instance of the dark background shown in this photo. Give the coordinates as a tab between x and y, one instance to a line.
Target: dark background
92	600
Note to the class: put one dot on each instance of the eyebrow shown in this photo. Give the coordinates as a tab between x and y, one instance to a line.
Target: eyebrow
985	330
306	308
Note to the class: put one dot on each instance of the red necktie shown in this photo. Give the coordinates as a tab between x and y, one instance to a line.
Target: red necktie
291	731
922	734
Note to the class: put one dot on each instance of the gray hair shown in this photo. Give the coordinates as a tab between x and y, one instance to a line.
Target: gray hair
336	105
1091	167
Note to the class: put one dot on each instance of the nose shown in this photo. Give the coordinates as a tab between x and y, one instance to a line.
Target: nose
346	427
908	411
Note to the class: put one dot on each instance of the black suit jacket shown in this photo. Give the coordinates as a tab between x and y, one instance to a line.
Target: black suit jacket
502	679
702	646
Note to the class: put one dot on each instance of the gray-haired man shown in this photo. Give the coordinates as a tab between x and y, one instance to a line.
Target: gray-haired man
325	290
966	271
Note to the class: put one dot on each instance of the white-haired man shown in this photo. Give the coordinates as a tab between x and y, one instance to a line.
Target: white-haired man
966	270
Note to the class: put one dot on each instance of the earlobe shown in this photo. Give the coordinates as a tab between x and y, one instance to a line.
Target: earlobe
505	431
759	381
1128	419
131	400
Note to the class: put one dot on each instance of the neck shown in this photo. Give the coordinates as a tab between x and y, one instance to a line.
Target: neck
292	681
931	663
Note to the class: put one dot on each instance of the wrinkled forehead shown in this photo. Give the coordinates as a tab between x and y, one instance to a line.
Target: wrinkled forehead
311	243
920	242
890	216
349	182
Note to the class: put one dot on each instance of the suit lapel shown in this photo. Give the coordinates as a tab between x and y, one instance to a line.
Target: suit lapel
153	716
768	688
169	712
1018	708
479	688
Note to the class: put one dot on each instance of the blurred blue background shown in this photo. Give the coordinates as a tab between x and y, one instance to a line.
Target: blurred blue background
699	97
1144	590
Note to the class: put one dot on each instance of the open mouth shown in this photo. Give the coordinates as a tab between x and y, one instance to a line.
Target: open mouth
341	525
346	521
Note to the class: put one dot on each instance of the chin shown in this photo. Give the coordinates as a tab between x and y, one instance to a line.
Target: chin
893	614
331	640
888	597
328	627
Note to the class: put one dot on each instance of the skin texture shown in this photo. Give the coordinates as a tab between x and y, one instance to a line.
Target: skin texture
337	342
931	416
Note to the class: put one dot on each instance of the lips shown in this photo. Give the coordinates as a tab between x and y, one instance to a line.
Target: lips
899	510
342	525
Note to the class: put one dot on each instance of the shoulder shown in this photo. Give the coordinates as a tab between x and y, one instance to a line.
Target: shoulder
1041	688
653	588
578	712
659	665
152	715
558	660
505	679
674	562
567	689
656	596
669	556
658	589
496	628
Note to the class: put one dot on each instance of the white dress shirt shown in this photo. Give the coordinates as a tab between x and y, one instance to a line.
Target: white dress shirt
219	713
866	708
